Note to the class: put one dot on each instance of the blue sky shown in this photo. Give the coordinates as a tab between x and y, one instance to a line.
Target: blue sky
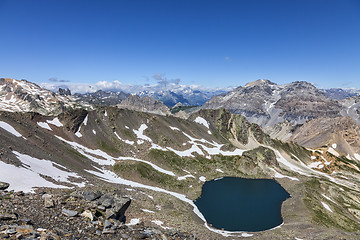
209	43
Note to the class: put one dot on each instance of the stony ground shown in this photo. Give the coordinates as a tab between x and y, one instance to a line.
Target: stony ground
73	214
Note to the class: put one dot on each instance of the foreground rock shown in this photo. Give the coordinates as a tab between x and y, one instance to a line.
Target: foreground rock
64	214
4	185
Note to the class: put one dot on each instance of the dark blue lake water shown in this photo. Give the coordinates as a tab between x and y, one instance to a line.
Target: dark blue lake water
239	204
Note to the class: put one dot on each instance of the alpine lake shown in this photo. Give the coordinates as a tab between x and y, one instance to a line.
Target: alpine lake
239	204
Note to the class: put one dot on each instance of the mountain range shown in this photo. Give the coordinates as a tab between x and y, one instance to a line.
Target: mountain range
294	133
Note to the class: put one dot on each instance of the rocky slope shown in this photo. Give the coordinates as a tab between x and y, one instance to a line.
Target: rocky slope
24	96
161	162
59	214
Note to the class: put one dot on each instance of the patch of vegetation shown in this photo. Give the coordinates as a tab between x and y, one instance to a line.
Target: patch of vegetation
321	215
143	170
105	146
181	108
76	153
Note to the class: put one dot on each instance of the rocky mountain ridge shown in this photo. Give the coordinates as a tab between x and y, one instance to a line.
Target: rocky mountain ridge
24	96
266	103
101	98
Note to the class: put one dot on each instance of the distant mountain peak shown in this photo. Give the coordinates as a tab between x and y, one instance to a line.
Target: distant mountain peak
144	104
259	82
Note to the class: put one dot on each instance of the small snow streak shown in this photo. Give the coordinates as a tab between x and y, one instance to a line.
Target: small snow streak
9	128
326	206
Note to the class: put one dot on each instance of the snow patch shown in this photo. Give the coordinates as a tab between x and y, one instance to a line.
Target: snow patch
78	133
102	157
219	170
9	128
160	223
44	125
316	164
279	175
357	156
202	178
247	235
334	145
133	221
184	177
333	152
174	128
140	134
326	206
197	143
25	179
328	198
94	132
202	121
86	120
55	122
148	211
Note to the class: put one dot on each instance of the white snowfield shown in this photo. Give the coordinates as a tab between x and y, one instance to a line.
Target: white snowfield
197	146
9	128
140	133
202	121
102	158
28	177
55	122
44	125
